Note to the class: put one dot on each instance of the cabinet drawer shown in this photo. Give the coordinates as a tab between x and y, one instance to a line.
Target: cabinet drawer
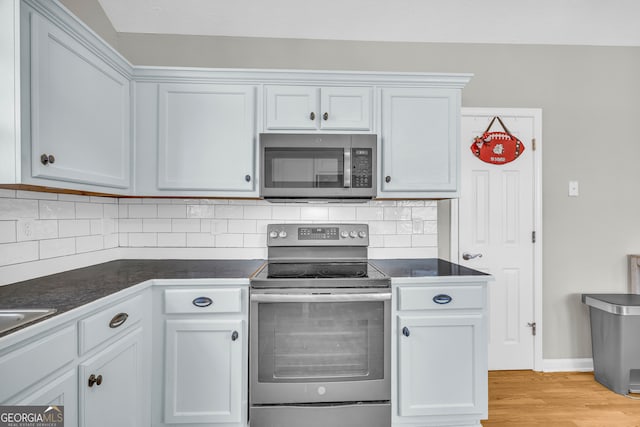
440	297
26	366
204	300
109	322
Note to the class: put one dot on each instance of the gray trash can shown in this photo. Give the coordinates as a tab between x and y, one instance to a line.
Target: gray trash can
615	339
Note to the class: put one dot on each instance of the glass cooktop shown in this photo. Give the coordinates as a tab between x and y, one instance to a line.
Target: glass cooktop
348	274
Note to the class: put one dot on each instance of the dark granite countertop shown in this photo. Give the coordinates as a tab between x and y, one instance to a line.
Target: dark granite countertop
422	267
74	288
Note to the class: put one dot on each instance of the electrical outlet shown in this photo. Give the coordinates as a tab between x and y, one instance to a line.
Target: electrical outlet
574	189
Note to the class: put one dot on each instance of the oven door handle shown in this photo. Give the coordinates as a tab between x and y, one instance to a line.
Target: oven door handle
377	296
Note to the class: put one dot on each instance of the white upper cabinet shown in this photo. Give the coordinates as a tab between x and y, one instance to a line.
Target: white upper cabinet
206	137
80	111
419	129
318	108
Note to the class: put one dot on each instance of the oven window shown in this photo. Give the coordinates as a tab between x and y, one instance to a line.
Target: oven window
323	341
304	167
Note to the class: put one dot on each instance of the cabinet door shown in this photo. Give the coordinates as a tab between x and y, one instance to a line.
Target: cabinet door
60	391
206	137
116	399
345	108
203	368
79	112
442	365
291	107
419	142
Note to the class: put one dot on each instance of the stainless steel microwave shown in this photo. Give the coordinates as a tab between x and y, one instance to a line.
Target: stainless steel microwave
326	167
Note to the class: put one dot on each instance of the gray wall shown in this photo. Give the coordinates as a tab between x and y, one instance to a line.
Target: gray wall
590	97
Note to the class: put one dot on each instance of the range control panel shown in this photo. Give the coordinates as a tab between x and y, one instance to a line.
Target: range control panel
317	235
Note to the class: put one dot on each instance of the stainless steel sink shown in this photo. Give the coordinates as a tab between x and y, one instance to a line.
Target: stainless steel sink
12	318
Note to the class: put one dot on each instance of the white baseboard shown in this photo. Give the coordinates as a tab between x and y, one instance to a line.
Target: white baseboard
567	365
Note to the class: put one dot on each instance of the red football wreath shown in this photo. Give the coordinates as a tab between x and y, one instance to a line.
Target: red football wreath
497	148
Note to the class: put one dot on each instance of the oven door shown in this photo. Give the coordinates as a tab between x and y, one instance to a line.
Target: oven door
310	347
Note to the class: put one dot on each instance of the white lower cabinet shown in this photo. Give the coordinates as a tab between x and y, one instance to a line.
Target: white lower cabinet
111	385
203	371
59	391
441	355
200	356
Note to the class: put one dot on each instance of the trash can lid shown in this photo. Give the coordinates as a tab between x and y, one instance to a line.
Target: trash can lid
622	304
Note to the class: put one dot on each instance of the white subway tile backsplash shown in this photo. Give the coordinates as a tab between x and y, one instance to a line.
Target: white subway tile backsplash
255	240
257	212
424	240
143	211
200	240
172	211
35	225
51	209
191	225
426	213
397	241
74	227
242	226
155	225
35	229
15	253
397	213
89	244
73	198
285	212
111	241
37	195
342	213
7	231
229	240
382	227
57	247
229	212
18	209
110	211
172	240
138	240
201	211
89	210
126	225
314	213
369	213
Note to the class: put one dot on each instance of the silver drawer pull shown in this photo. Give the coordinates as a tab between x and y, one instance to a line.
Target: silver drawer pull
118	320
442	299
202	302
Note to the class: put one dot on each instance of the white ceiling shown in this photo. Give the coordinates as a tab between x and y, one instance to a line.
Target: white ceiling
583	22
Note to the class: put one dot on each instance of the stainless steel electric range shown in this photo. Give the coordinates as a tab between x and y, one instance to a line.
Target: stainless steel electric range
320	330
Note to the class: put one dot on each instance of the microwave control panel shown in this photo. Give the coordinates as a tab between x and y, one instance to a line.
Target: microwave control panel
361	175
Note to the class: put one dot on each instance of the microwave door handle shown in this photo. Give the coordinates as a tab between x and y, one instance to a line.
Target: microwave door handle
384	296
347	168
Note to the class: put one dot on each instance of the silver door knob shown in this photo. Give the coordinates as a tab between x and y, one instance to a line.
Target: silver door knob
467	256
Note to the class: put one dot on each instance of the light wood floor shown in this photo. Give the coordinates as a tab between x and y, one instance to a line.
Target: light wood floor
567	399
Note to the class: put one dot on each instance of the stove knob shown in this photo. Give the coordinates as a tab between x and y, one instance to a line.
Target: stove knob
353	234
283	234
344	234
273	235
362	234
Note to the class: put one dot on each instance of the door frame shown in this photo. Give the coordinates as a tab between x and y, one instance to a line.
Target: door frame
536	113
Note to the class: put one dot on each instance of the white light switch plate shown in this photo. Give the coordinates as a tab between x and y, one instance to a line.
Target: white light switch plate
574	189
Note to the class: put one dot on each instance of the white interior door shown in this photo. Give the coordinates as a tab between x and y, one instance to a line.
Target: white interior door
497	214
